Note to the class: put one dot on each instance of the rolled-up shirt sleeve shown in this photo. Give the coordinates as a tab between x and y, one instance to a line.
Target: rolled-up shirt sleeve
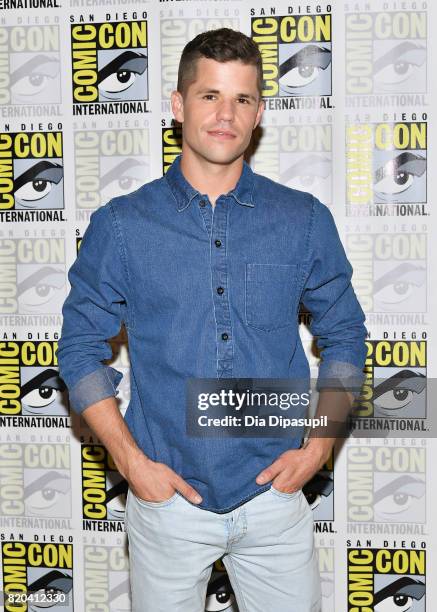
92	313
337	319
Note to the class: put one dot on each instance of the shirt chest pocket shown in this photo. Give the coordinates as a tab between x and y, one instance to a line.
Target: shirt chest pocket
270	295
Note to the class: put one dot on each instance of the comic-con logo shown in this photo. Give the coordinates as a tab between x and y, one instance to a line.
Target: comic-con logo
33	276
175	33
296	54
30	384
385	165
325	556
171	145
383	579
109	163
31	171
386	484
386	52
109	62
298	156
390	271
104	490
29	65
395	380
35	481
37	575
220	594
106	578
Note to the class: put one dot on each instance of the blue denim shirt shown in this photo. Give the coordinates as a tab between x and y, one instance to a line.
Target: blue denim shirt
155	259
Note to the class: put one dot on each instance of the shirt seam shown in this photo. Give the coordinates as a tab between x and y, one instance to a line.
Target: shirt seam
130	324
307	250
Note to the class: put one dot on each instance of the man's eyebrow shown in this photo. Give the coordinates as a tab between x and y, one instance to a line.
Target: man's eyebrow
206	90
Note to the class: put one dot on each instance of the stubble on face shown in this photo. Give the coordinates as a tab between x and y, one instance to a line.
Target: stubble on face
219	110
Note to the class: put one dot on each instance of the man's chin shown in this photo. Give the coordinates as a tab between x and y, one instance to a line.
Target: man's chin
223	158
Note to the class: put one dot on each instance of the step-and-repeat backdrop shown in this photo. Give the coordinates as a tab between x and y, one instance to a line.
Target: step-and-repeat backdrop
84	116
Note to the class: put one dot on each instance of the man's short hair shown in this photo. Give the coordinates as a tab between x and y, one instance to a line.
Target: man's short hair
222	45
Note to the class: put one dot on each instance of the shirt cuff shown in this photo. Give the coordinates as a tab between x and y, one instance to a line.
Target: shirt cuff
94	387
340	375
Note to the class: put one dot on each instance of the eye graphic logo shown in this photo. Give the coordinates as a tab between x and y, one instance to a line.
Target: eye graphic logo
32	171
386	52
395	383
220	595
30	65
109	163
41	486
390	271
110	62
40	289
385	580
305	157
296	53
110	584
104	490
37	576
386	164
399	162
325	556
34	273
171	146
386	484
33	387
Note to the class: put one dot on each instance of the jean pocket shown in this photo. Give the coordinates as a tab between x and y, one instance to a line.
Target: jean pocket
271	295
156	504
283	494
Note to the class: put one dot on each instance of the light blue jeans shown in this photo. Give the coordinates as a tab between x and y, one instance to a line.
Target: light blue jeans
267	543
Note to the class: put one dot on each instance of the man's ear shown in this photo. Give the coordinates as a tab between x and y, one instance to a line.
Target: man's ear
177	106
259	113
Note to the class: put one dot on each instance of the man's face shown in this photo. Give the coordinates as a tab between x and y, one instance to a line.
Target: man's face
219	110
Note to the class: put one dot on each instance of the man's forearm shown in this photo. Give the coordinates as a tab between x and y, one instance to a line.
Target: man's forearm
105	420
336	405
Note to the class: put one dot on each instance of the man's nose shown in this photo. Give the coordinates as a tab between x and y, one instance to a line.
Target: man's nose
225	110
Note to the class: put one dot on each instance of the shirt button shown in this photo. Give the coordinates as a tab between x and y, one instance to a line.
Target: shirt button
225	336
202	203
220	290
218	243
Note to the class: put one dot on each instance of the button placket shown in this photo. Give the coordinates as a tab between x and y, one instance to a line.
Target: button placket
207	213
219	279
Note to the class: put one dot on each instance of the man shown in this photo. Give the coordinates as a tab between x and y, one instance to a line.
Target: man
207	267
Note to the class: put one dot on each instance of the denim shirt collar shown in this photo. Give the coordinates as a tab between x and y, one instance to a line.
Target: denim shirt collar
184	193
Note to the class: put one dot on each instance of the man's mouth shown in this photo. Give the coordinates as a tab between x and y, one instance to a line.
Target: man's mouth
222	134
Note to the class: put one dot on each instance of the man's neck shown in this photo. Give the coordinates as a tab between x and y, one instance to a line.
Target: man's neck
210	178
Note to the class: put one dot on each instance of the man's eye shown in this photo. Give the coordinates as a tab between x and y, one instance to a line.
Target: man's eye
245	100
209	96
